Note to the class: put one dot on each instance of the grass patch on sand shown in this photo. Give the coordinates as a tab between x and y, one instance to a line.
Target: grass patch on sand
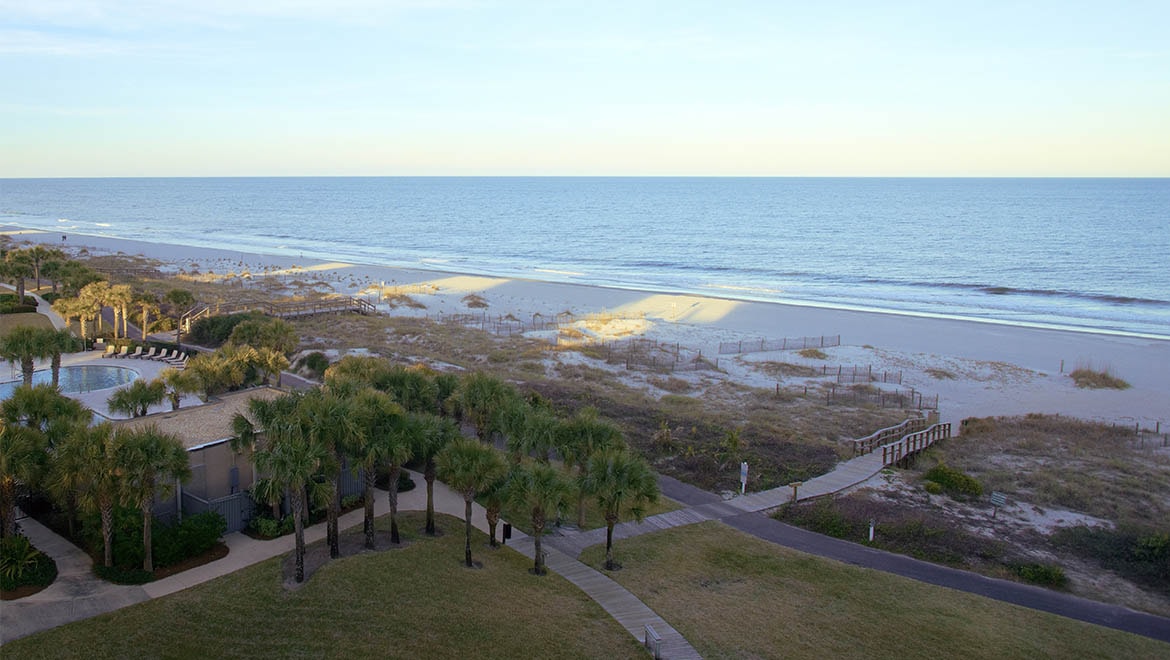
940	374
413	601
734	596
1097	379
787	370
813	354
1064	463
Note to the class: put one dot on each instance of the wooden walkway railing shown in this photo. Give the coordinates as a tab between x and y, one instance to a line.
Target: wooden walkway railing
900	451
876	439
281	310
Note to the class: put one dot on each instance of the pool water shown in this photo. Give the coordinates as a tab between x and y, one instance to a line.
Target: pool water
77	379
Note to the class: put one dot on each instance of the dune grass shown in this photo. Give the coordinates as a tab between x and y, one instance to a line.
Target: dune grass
1097	379
734	596
416	601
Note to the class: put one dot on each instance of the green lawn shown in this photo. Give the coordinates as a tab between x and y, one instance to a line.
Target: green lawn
734	596
418	601
10	321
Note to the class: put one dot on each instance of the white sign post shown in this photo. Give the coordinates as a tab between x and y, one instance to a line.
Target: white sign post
743	477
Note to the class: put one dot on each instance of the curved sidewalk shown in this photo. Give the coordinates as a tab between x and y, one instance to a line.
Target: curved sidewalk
78	594
746	513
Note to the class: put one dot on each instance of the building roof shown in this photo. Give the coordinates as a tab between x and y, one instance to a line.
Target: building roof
200	425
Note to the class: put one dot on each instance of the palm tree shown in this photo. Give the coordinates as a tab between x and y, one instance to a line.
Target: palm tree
248	430
41	257
179	301
493	498
59	342
618	481
583	436
478	399
535	431
434	434
119	298
24	345
327	420
18	266
380	420
292	460
136	398
95	295
543	490
147	304
43	408
85	469
22	456
269	362
469	467
151	462
178	383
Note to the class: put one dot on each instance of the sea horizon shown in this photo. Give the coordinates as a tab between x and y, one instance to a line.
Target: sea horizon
1078	254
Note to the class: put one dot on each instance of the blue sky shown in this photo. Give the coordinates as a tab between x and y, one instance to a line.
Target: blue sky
365	87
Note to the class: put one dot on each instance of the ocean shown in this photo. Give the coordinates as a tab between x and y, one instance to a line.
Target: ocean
1085	254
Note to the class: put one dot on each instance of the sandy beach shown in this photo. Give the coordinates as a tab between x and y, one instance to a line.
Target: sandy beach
976	368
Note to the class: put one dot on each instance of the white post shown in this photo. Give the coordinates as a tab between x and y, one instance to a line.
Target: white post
871	524
743	469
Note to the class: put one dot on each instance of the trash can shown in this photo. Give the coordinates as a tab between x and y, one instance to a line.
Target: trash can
507	532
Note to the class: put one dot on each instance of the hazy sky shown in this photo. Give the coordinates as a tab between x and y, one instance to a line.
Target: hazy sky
386	87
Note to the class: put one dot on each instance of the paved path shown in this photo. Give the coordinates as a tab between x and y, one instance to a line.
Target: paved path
746	514
77	594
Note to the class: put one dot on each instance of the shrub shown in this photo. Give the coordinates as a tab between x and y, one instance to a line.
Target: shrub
976	425
13	308
822	517
955	482
813	354
265	527
933	487
22	564
1140	555
1085	377
1045	575
315	363
122	575
213	331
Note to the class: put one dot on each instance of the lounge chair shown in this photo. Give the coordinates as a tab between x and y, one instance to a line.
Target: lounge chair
122	353
110	348
165	354
179	358
137	352
149	354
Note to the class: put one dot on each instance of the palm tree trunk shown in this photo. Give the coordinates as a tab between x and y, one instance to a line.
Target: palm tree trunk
107	511
147	551
27	366
537	532
467	532
125	321
8	501
332	515
145	322
299	532
429	476
609	565
581	508
368	523
493	518
392	488
55	366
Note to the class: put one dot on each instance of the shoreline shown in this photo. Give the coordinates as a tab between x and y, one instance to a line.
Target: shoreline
1002	368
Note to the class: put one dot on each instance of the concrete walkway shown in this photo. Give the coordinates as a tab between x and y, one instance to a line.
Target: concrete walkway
77	594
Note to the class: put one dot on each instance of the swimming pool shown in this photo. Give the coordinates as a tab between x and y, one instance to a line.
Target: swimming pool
77	379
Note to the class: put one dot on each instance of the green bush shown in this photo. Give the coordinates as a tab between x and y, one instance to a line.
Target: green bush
265	527
1140	555
405	483
822	517
22	564
13	308
316	363
122	575
213	331
1045	575
194	536
933	487
10	298
51	297
954	482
